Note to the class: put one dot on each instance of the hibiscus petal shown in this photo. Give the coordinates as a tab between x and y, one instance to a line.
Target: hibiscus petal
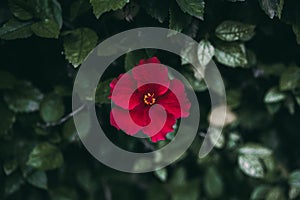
123	90
140	115
121	119
150	60
167	128
175	97
152	74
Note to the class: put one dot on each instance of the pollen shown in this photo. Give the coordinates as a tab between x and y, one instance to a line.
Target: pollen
149	99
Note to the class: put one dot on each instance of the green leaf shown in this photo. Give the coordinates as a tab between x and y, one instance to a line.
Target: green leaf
232	55
255	150
205	52
274	96
216	138
188	191
78	8
260	192
7	117
296	29
251	166
276	193
38	179
272	7
233	31
294	193
102	6
45	156
64	193
83	127
23	98
178	20
15	29
7	80
132	58
294	179
290	79
162	174
156	9
52	108
10	166
213	183
192	7
21	9
13	183
78	44
46	28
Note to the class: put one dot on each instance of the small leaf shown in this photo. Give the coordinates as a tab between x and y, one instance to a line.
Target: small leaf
251	166
14	29
162	174
233	31
103	92
46	28
260	192
274	96
192	7
272	7
188	191
296	29
52	108
38	179
10	166
213	183
24	98
232	55
276	194
294	179
216	138
45	156
78	44
255	150
205	52
290	79
156	9
102	6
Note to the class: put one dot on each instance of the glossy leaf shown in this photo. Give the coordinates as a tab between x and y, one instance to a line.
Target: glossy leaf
205	52
272	7
232	55
38	179
251	166
102	6
274	96
290	79
15	29
192	7
52	108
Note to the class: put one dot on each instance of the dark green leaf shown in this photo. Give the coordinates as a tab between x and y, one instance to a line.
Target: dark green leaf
38	179
78	44
10	166
64	193
102	6
14	29
7	118
232	55
7	80
255	150
178	20
205	52
213	183
45	156
296	29
251	166
276	194
188	191
233	31
78	8
156	9
21	9
13	183
24	98
162	174
192	7
132	58
294	179
52	108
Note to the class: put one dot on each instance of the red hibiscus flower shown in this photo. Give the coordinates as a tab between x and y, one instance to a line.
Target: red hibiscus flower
147	100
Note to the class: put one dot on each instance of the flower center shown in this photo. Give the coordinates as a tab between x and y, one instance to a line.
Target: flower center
149	99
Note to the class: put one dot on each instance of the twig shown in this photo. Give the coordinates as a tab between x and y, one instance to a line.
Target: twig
62	120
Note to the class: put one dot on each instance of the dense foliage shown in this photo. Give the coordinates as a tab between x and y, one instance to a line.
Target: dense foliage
255	44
